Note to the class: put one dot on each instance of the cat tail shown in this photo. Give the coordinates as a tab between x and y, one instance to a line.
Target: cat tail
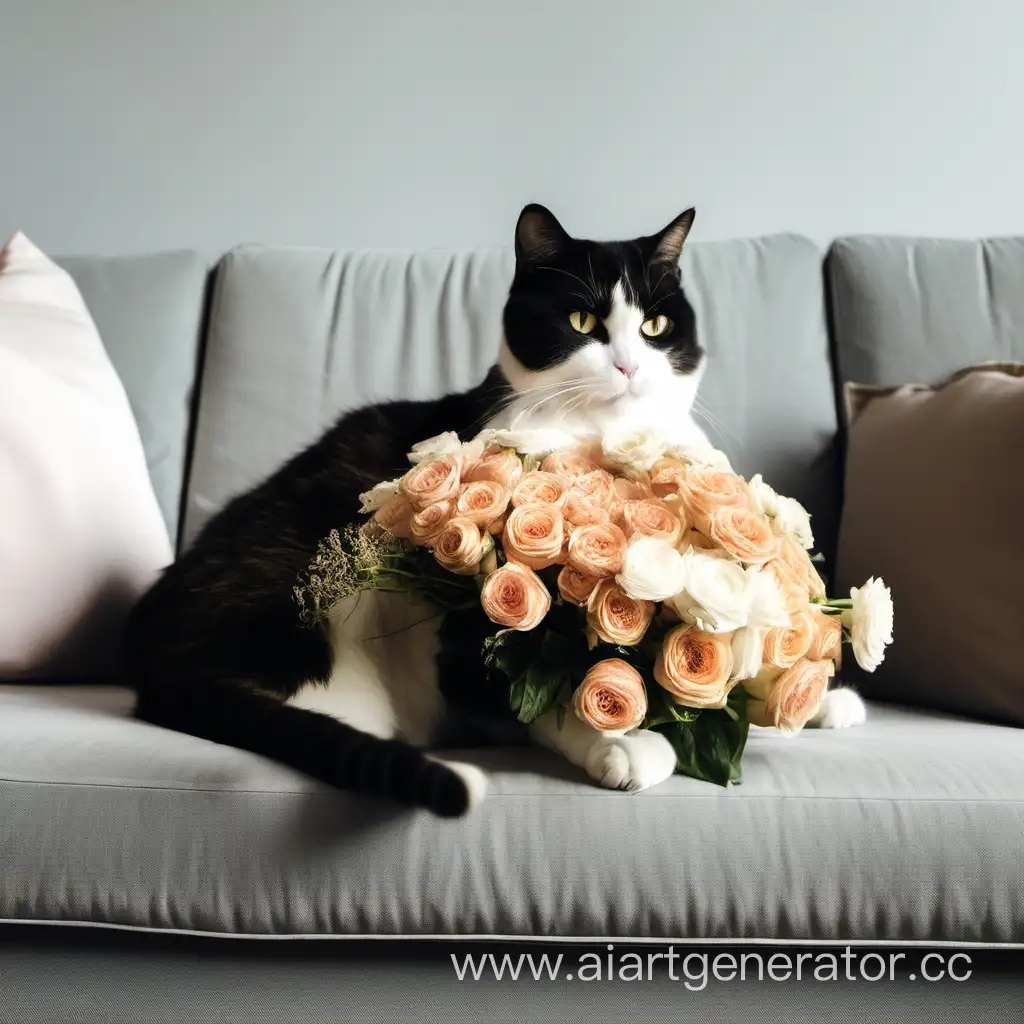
236	713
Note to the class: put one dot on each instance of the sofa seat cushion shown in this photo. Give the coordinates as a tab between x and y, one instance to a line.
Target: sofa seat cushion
907	828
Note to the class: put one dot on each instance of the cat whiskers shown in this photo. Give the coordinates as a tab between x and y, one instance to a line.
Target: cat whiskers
529	410
540	389
572	406
580	388
714	423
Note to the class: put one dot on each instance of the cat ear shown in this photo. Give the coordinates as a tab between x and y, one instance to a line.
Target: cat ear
538	234
668	243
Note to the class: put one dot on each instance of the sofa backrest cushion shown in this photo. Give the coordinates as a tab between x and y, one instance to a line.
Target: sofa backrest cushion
298	336
149	312
919	309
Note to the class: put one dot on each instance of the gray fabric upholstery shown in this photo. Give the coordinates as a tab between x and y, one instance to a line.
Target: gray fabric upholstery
917	310
298	336
149	310
60	976
768	387
906	828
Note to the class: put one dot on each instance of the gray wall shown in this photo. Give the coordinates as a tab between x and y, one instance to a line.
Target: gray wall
130	125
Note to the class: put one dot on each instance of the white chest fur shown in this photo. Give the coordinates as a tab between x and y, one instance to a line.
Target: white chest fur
384	675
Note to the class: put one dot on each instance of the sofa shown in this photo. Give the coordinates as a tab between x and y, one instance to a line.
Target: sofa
150	875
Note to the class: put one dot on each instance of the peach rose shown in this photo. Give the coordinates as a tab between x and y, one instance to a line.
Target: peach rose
794	591
597	550
744	534
431	481
783	647
539	488
395	516
794	697
534	535
694	667
625	490
598	486
704	491
428	523
611	697
632	488
796	557
668	476
461	546
583	512
502	465
652	518
575	587
483	501
514	596
567	464
827	644
616	618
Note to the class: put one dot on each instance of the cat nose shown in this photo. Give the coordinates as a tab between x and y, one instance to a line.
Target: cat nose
626	369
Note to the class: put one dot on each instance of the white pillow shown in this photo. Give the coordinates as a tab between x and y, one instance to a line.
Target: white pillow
81	535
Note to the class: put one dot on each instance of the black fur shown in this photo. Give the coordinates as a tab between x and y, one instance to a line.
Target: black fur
216	646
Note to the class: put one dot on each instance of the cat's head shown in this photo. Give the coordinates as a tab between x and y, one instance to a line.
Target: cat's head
599	325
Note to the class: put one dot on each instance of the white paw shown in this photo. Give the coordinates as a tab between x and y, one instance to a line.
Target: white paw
633	762
473	777
840	709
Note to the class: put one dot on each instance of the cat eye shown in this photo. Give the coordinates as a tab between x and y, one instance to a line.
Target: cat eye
582	322
655	326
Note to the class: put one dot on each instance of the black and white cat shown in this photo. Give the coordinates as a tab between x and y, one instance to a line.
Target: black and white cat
598	337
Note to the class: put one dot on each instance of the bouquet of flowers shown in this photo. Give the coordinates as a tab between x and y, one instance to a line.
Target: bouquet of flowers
629	582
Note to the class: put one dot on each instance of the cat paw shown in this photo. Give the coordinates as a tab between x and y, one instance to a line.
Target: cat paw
632	762
840	709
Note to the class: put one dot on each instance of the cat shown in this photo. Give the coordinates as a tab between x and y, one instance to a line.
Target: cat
597	336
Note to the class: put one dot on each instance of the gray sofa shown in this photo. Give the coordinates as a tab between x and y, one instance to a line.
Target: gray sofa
907	830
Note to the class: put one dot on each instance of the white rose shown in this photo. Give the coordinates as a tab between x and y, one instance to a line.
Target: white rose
763	498
442	444
787	514
794	519
870	623
633	449
716	593
703	456
377	496
747	652
652	570
540	441
470	452
767	605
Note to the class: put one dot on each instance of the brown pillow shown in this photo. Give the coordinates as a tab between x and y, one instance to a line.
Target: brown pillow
935	504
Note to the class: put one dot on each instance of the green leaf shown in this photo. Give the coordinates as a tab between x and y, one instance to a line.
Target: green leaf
516	694
556	649
541	688
508	652
662	709
711	747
